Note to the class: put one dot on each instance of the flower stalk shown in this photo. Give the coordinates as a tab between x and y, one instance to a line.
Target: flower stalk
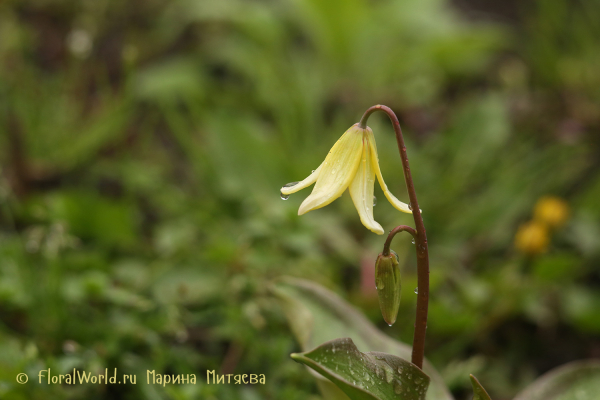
393	232
420	237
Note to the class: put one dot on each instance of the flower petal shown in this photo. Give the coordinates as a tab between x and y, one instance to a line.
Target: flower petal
361	190
375	161
312	178
337	171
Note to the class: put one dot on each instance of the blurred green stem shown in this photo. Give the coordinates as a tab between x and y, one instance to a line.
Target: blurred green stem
420	236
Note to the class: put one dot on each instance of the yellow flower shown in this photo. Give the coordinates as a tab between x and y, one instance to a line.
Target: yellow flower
552	211
352	163
532	238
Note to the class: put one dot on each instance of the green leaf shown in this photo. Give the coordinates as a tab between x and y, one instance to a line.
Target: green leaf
366	376
317	315
479	392
578	380
329	390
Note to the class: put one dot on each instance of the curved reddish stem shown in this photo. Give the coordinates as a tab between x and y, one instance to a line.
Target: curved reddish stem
418	351
393	232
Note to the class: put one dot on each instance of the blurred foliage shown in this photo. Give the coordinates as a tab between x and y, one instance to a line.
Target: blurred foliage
143	145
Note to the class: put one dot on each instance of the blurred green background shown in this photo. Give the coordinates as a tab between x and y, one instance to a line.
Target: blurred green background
143	144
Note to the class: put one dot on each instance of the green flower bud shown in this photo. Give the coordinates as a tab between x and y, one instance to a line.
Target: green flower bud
387	281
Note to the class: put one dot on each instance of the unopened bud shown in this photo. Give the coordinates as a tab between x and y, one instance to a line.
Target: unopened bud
387	281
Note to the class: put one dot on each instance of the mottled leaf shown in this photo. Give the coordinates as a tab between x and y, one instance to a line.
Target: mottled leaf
579	380
366	376
317	315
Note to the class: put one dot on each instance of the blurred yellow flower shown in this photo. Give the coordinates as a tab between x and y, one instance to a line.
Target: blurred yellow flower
352	163
532	238
552	211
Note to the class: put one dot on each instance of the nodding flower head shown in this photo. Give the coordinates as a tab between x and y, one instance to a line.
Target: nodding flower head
352	163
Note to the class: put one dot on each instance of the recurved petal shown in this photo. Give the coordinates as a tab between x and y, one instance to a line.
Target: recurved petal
312	178
337	171
361	190
375	162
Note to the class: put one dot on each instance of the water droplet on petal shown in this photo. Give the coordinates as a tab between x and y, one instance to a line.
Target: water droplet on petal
287	185
374	201
416	290
313	171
